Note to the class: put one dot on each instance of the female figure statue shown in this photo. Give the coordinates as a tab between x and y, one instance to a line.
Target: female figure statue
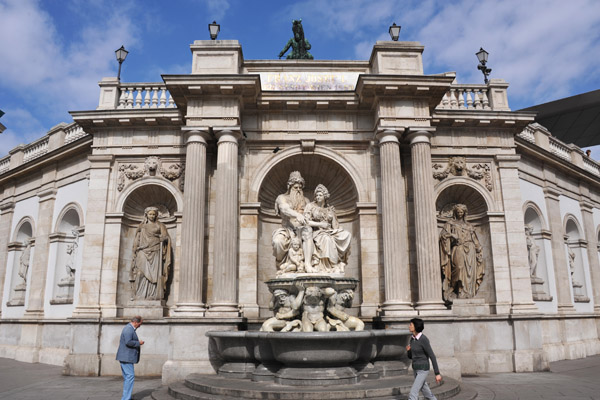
151	257
461	257
533	250
331	243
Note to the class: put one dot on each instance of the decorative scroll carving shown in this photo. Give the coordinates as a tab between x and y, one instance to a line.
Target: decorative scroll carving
457	166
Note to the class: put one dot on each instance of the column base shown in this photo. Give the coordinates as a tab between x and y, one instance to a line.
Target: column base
524	308
223	310
397	309
189	310
34	314
566	308
87	313
431	305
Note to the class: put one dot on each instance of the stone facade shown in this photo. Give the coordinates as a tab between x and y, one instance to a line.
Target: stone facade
211	150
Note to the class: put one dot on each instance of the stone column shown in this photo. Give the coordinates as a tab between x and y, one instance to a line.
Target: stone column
248	296
39	264
224	290
93	242
393	214
191	274
592	250
561	269
426	235
7	210
369	259
520	277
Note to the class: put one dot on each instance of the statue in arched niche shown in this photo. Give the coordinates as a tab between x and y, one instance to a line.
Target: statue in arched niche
151	258
533	250
461	257
24	264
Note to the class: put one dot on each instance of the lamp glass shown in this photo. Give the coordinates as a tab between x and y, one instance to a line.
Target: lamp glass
121	54
482	55
394	32
214	30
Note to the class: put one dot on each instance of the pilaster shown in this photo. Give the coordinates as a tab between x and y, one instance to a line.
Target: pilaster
7	209
592	252
224	293
393	199
520	278
91	268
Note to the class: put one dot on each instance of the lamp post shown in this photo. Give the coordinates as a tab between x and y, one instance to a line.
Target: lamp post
395	32
214	30
482	56
121	56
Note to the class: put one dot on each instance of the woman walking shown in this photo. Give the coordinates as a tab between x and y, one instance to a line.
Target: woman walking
419	350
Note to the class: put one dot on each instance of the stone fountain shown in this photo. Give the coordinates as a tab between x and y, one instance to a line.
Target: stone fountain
312	345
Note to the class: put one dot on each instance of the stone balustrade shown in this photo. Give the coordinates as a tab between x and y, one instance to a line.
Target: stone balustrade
60	135
540	136
474	97
144	95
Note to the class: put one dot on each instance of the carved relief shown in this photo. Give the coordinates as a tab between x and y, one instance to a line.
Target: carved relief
457	166
152	166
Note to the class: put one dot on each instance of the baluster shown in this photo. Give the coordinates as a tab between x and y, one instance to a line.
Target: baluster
453	102
163	98
461	99
122	98
476	94
147	94
130	97
154	97
444	103
469	99
138	98
171	101
485	100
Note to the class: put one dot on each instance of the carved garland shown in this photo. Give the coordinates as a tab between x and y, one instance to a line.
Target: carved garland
152	165
457	166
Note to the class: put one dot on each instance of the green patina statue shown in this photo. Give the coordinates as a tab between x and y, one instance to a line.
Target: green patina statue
298	43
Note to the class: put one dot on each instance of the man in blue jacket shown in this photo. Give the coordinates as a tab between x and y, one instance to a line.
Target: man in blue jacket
129	354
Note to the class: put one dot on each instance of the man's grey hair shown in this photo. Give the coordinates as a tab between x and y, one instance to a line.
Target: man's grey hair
137	319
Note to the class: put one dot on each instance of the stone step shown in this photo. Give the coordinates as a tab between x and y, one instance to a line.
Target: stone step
209	387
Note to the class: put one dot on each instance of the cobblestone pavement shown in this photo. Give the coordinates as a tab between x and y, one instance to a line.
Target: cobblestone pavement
569	379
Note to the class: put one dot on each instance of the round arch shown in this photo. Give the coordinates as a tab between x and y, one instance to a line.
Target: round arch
572	227
461	190
71	215
24	229
156	187
530	209
337	159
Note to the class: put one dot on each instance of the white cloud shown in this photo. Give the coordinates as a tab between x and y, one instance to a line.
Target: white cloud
217	8
17	121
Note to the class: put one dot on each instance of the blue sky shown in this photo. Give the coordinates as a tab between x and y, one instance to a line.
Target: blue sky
54	52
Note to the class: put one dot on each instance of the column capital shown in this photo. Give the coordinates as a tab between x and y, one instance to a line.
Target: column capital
100	160
551	192
47	194
7	206
388	135
231	135
195	135
508	160
586	206
419	134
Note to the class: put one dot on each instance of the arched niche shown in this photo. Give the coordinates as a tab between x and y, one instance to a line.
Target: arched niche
576	248
24	230
344	195
540	279
464	192
70	217
19	262
315	170
151	192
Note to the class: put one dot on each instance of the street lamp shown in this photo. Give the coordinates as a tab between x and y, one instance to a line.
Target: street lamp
121	56
214	29
395	32
482	56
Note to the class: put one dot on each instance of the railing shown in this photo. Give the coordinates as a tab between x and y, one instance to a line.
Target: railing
74	132
144	95
35	149
466	97
591	166
528	134
560	149
4	164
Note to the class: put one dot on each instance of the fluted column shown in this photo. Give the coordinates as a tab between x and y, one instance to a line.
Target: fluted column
189	302
426	236
393	198
592	250
224	290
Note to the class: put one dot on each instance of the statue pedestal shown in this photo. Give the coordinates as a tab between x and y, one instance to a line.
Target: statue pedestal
65	291
578	295
147	309
469	307
18	297
537	290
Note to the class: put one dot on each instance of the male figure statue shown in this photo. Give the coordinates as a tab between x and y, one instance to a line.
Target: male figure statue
298	43
129	354
290	206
